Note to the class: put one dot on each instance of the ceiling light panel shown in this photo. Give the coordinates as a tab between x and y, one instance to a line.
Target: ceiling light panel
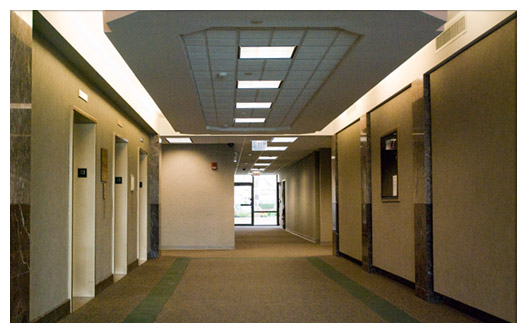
253	105
179	140
262	164
267	157
249	120
266	52
317	52
276	148
284	139
258	84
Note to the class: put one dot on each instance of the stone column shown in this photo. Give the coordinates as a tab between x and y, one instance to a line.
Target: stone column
334	194
20	148
424	279
365	159
153	196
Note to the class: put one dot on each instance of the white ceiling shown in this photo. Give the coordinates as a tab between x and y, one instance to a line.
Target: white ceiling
155	44
340	56
214	51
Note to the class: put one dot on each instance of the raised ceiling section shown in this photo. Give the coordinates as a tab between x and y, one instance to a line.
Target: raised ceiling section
152	43
213	55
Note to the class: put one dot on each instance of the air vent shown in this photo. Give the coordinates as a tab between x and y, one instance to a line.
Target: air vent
450	34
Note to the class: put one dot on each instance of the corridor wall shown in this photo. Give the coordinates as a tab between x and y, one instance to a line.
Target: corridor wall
473	104
304	196
472	168
55	90
196	203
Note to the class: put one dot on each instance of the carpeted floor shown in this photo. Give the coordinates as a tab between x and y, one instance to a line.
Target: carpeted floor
271	276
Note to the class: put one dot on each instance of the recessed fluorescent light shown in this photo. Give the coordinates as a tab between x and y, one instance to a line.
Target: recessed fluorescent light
284	139
275	148
259	84
267	157
253	105
179	140
266	52
262	164
249	120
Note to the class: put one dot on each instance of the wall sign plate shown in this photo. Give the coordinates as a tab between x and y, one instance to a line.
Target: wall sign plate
118	180
82	173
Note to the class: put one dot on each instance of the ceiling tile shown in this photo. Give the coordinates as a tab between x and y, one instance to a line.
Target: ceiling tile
285	42
290	33
273	75
321	34
260	34
221	34
328	64
345	38
296	84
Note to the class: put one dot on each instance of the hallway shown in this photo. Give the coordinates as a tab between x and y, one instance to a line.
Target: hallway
271	276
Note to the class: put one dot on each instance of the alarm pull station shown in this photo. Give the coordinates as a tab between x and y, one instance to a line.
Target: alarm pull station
140	184
82	173
118	180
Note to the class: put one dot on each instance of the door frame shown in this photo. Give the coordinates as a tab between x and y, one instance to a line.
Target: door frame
91	120
252	204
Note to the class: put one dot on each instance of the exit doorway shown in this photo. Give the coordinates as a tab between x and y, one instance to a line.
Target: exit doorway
255	200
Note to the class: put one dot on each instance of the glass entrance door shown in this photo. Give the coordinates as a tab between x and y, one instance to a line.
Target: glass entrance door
255	200
265	197
243	204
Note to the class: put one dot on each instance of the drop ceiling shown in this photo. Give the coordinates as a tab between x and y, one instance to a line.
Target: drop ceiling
340	55
215	66
244	158
189	63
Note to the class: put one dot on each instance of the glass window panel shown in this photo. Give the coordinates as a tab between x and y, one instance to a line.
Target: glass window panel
242	204
265	193
389	170
267	218
243	178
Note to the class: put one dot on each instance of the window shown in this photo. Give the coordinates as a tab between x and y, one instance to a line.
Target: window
389	188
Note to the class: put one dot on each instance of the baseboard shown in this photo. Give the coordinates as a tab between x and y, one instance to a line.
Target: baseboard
301	236
350	258
131	266
394	277
471	311
99	287
56	314
190	248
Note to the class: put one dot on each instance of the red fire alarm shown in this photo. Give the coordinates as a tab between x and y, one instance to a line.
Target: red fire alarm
213	165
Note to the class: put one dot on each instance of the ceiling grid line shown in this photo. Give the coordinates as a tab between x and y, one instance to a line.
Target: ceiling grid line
312	74
211	76
236	78
290	65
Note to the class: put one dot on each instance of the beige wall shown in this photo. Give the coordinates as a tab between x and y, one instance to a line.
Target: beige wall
196	203
474	175
349	191
305	193
393	222
55	90
326	234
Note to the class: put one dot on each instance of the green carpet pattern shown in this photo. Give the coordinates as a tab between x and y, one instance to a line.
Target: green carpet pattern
384	309
148	310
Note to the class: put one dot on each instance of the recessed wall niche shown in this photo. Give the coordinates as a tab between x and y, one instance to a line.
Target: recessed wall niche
389	188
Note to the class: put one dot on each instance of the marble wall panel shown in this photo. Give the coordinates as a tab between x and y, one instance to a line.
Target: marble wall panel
20	166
